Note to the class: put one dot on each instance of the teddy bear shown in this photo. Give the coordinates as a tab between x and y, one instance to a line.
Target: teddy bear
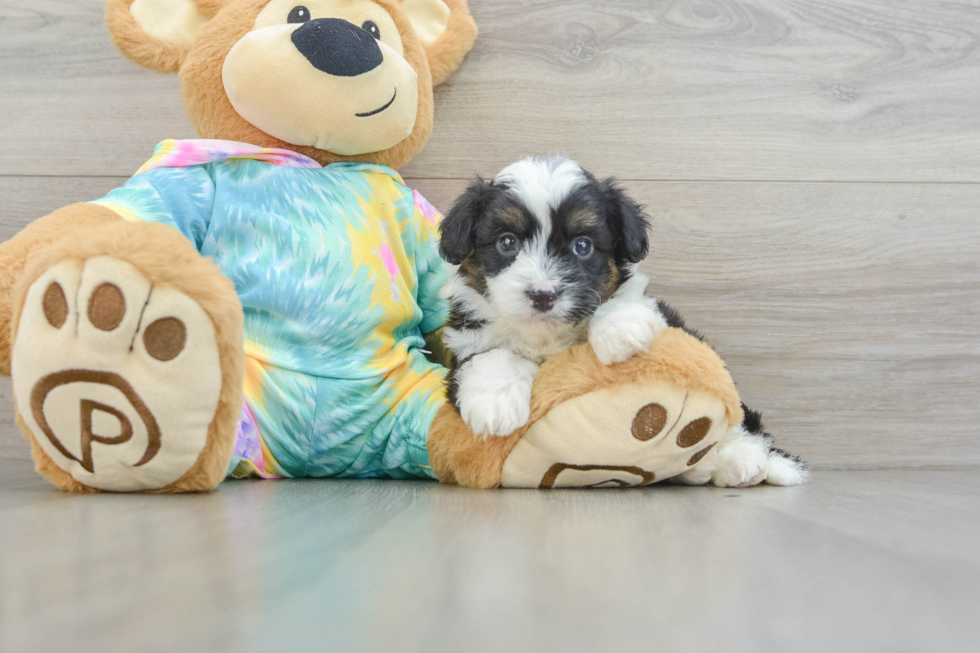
264	301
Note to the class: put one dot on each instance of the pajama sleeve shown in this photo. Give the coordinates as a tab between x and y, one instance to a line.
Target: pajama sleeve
180	197
430	268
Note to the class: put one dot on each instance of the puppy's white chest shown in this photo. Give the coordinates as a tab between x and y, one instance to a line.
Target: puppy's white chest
537	343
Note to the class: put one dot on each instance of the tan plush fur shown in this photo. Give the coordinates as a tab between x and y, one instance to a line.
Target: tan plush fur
140	47
212	114
166	258
448	51
44	466
211	7
20	250
457	456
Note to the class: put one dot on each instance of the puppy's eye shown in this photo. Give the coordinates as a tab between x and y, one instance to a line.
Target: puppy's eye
583	247
372	27
508	245
298	15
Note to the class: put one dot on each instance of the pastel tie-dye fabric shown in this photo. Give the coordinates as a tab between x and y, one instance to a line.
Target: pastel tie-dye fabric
179	154
339	274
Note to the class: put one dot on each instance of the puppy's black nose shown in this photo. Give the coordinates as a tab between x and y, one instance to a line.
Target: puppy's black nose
337	47
543	300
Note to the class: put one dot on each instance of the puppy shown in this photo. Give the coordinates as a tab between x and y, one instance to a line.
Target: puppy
544	258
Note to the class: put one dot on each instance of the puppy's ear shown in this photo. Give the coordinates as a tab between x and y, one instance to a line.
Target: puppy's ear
629	219
458	228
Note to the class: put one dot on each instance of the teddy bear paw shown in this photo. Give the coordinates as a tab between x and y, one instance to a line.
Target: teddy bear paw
117	380
626	435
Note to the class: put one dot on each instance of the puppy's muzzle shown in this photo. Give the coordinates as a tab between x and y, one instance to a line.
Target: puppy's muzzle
543	300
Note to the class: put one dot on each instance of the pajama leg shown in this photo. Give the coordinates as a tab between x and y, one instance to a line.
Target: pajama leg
249	458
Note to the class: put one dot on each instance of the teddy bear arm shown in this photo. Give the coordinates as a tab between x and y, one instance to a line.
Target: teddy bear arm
17	254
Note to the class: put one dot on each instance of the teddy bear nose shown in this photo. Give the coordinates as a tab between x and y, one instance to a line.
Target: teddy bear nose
338	47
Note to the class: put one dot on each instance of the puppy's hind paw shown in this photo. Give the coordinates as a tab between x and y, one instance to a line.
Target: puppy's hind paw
742	460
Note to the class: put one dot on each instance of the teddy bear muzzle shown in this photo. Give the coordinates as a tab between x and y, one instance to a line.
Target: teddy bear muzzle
359	93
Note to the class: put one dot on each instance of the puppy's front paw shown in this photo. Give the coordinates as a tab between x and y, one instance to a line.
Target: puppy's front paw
619	332
495	392
500	415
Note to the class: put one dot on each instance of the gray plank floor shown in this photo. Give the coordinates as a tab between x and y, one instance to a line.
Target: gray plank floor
856	561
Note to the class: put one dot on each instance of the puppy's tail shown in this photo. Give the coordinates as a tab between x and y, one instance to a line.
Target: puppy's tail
786	469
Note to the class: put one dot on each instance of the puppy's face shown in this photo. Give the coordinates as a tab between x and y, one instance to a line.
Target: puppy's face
544	242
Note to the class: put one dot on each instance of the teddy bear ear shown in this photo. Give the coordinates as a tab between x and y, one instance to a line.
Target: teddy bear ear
157	34
447	31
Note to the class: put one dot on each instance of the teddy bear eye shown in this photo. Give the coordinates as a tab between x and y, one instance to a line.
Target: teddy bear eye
372	27
298	15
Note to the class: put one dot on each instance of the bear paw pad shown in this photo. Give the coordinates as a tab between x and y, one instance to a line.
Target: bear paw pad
629	435
116	379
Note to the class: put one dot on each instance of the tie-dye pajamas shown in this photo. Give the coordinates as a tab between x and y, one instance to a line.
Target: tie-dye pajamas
338	272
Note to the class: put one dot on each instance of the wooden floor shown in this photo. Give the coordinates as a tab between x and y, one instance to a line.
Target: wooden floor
813	171
862	561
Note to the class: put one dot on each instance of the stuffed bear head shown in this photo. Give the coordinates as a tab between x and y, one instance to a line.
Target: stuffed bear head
335	80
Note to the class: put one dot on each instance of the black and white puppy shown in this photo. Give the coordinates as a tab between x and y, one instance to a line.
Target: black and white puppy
545	258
